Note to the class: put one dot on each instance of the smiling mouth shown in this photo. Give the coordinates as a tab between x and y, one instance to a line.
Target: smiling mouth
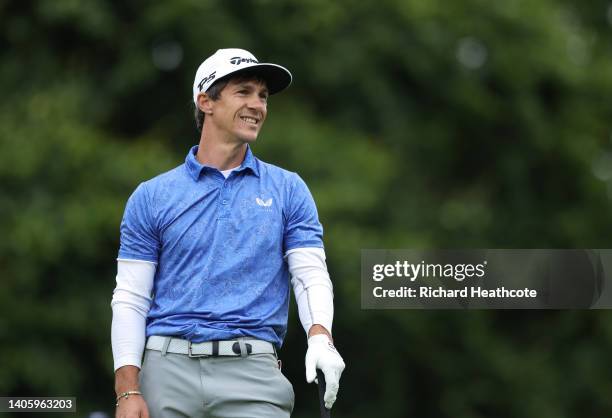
250	120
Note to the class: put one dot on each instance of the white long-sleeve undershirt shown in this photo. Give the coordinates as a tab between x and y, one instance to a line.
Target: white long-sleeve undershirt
312	287
133	295
131	303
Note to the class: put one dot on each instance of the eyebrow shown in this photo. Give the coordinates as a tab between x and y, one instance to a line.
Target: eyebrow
248	85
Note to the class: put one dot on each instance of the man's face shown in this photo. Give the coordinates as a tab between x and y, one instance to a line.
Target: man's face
241	110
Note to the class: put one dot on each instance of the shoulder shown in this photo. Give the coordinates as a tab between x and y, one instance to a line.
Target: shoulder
170	177
161	187
167	183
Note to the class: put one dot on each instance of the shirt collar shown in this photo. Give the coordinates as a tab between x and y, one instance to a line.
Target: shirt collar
195	168
249	162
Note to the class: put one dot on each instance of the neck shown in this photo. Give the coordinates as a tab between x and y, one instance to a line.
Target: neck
219	154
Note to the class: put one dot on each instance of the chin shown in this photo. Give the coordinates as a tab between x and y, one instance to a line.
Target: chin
251	137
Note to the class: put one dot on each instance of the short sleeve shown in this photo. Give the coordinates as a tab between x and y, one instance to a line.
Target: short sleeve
302	229
139	237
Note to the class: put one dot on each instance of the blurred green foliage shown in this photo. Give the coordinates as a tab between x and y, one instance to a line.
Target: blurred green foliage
416	124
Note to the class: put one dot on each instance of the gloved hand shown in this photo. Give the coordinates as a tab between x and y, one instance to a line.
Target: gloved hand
322	355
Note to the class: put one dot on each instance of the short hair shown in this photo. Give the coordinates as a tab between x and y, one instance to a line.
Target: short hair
214	92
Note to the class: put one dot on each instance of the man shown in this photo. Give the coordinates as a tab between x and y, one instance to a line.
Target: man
204	263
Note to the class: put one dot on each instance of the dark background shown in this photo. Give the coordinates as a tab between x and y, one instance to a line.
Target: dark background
416	124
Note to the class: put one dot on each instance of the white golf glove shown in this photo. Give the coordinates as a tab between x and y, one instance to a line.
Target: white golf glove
322	355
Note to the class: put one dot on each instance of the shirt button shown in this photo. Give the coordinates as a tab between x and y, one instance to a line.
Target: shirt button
224	202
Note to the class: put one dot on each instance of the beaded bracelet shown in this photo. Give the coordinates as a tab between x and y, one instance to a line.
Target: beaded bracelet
127	395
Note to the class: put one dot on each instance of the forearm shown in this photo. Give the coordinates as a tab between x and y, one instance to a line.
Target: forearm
130	305
127	334
313	289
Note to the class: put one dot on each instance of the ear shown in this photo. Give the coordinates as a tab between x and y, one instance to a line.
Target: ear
205	103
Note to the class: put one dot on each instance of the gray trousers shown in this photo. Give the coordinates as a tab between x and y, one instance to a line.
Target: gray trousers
175	385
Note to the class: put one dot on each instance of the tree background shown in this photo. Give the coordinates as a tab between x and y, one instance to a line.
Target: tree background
416	124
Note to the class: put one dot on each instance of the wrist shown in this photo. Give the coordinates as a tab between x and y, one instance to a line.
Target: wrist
317	329
126	395
126	379
319	339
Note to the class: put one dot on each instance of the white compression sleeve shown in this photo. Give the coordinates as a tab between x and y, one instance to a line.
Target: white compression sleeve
130	304
312	287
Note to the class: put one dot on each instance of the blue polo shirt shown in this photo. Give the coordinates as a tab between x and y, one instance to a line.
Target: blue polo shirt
219	246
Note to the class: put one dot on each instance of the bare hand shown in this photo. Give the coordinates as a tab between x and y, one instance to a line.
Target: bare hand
132	407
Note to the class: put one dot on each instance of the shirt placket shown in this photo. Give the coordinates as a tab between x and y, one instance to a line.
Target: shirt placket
225	199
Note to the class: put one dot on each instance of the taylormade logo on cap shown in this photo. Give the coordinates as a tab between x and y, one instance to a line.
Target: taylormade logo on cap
227	61
240	60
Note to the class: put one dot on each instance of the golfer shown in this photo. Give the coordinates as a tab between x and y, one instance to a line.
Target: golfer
206	255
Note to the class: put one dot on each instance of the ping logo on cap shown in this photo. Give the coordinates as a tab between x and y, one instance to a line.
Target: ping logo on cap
240	60
210	77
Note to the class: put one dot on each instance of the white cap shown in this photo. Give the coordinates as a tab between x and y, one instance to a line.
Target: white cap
228	61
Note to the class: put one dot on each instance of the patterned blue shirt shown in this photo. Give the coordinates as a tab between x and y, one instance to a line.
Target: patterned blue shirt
219	246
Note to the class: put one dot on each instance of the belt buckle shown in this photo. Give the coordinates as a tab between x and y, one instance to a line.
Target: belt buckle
236	348
190	352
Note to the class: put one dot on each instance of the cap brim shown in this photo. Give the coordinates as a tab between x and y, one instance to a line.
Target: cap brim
277	78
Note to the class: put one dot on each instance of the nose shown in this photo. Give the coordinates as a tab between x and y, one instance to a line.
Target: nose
257	103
